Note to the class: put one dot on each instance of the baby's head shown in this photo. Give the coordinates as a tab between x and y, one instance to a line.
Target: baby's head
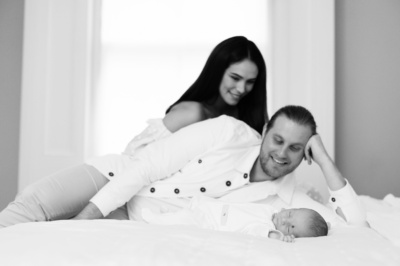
300	223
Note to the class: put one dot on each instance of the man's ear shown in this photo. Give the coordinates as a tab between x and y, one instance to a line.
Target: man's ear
264	130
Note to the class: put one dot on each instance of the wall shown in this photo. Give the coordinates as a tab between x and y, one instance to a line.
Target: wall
11	29
368	94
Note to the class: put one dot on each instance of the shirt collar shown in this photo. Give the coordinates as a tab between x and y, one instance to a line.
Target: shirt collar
285	187
282	187
245	164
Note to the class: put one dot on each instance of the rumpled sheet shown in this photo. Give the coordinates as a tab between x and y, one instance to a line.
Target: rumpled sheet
113	242
384	216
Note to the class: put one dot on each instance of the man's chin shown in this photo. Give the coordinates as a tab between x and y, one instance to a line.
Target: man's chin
275	174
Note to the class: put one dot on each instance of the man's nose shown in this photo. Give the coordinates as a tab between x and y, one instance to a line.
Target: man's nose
282	152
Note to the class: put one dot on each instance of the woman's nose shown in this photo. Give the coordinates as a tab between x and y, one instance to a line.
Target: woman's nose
240	87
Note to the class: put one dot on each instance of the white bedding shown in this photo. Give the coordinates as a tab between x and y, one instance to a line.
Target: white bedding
384	216
112	242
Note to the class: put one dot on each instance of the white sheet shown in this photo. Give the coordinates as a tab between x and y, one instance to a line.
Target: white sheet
111	242
384	216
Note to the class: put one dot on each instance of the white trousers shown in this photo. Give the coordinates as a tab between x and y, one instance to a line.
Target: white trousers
57	197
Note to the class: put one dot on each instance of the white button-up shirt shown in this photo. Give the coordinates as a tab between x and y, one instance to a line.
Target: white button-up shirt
211	158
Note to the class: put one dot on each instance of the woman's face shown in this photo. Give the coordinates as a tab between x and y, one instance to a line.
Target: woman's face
237	81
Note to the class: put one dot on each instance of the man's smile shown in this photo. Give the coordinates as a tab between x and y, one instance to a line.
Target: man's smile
278	161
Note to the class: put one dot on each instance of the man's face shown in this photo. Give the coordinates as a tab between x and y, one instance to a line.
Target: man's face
283	147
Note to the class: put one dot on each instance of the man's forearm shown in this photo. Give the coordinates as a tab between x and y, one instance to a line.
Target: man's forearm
90	212
315	151
333	177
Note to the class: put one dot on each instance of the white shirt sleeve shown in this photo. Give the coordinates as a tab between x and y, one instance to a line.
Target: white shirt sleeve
347	200
163	158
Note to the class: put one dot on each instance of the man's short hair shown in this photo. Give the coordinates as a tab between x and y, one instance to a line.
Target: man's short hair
297	114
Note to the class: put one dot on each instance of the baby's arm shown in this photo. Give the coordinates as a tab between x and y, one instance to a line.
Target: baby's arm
275	234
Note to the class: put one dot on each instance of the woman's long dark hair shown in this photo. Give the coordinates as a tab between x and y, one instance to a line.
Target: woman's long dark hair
252	109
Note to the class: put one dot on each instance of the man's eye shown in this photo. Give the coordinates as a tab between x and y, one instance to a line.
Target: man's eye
295	149
278	141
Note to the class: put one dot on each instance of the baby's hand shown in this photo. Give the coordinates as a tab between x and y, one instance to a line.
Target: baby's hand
288	238
275	234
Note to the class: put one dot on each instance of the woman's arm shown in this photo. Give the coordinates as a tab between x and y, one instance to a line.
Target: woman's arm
184	114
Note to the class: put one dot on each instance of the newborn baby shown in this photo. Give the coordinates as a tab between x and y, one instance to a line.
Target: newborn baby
250	218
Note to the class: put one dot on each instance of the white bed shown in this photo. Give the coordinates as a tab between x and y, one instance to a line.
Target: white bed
112	242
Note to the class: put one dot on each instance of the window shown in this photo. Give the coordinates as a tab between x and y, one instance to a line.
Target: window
153	50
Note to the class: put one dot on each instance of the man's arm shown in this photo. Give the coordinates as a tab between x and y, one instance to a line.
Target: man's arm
157	161
90	212
315	151
343	196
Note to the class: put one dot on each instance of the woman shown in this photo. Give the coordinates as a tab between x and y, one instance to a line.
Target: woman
233	82
220	89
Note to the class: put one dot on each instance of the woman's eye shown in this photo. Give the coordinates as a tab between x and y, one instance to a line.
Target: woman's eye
235	78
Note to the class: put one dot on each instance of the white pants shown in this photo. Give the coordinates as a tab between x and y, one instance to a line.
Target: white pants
59	196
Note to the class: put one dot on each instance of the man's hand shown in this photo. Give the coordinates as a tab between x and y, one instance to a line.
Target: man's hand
315	151
90	212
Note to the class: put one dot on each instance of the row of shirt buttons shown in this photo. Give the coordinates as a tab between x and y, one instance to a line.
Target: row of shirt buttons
202	189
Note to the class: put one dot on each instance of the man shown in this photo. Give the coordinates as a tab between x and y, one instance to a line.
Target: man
223	158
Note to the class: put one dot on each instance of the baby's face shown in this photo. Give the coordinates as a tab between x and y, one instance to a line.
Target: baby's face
292	222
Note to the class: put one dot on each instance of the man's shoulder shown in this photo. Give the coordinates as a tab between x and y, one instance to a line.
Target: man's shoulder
227	128
237	126
230	121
